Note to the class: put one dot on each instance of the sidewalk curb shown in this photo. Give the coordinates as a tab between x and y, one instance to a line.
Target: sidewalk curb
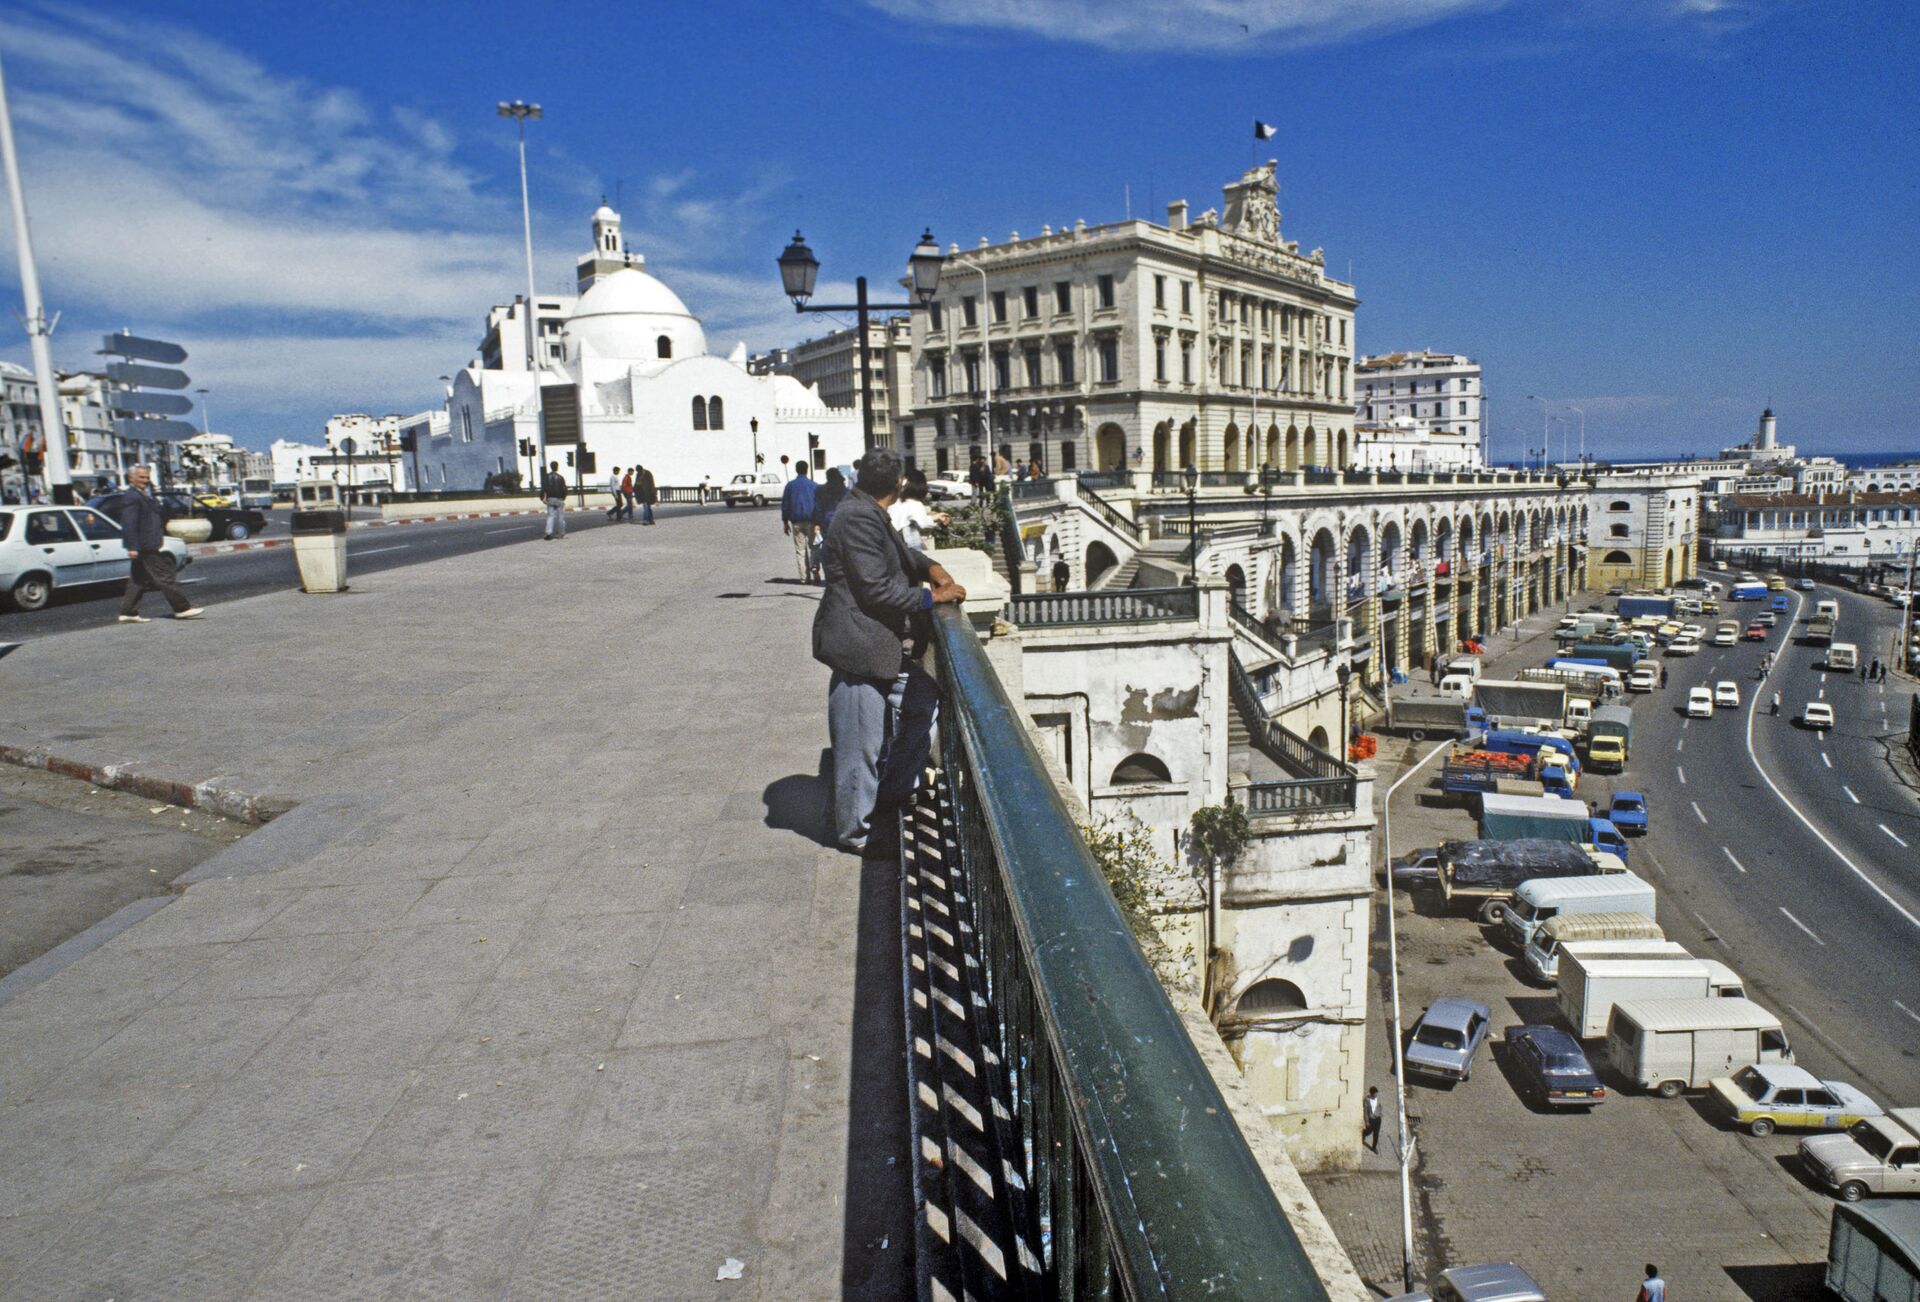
78	946
214	795
223	548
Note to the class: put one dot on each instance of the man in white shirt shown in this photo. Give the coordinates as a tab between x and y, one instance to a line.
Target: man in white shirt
909	514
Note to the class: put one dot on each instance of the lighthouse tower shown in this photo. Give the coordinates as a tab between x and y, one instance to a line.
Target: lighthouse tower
1763	441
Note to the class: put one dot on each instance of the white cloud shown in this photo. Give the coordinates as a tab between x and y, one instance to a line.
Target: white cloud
1217	26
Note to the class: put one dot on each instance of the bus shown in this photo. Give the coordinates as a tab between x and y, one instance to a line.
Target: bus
1749	590
257	493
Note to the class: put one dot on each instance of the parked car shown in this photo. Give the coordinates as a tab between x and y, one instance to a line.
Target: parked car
1756	632
1877	1155
1806	585
1726	694
1818	714
1628	812
1505	1282
1553	1066
227	522
1416	866
1643	677
756	489
1699	703
1684	646
44	549
944	490
1767	1095
1447	1036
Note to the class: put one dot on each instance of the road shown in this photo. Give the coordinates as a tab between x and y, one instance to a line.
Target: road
215	580
1786	852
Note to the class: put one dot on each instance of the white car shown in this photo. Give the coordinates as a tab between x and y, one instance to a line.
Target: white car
1693	631
1726	637
1699	704
1726	694
943	490
1684	646
1644	678
49	548
1818	715
767	486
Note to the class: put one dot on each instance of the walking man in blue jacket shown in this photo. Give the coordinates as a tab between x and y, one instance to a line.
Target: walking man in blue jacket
143	526
796	521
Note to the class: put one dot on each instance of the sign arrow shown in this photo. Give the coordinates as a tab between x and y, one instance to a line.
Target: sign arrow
146	377
140	403
151	431
146	350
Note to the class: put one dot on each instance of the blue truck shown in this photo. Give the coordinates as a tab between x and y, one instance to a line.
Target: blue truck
1552	818
1639	607
1509	742
1622	656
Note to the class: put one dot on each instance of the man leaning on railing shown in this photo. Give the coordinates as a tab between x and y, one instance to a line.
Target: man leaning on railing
870	630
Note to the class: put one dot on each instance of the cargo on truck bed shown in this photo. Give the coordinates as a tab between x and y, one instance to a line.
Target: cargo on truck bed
1485	874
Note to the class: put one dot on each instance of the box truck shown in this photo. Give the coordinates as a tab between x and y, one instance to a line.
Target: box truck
1591	984
1670	1045
1621	934
1509	703
1610	738
1536	901
1505	817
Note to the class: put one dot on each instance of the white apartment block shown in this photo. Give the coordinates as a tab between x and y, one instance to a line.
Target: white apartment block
1402	444
1210	342
1441	392
1903	477
831	365
1839	528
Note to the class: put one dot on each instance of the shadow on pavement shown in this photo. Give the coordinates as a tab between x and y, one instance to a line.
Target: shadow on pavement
798	803
1788	1283
876	1245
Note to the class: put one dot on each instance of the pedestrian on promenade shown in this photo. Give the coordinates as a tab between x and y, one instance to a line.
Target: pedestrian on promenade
980	479
827	500
1001	466
1370	1112
880	702
796	521
1062	574
626	496
648	492
143	527
703	490
910	514
613	491
553	492
1654	1289
1873	673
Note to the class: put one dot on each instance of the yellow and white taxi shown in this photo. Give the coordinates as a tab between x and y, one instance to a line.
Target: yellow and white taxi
1766	1096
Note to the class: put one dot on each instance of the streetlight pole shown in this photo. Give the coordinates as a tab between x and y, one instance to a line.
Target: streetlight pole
800	271
520	111
54	467
1191	476
986	353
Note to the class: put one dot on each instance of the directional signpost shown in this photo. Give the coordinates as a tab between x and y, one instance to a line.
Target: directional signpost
140	415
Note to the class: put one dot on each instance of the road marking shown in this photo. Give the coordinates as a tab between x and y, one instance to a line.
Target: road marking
1696	810
1890	832
1804	927
1849	790
1683	774
1823	677
1808	823
375	551
1681	744
518	528
1823	693
1730	859
1908	1011
1826	759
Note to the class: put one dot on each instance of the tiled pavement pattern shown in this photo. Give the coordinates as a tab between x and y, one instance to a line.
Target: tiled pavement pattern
1583	1201
545	989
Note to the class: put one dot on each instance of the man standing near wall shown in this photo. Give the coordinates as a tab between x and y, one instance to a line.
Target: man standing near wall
879	701
647	491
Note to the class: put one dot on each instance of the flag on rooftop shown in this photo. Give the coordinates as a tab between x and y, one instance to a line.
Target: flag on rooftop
1264	131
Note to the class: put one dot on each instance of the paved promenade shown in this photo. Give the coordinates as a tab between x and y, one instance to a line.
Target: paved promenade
545	988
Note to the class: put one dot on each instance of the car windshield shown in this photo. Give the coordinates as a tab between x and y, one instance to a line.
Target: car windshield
1870	1139
6	523
1440	1037
1566	1063
1751	1082
1629	806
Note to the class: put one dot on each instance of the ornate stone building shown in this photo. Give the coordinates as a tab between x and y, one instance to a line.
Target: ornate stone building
1138	346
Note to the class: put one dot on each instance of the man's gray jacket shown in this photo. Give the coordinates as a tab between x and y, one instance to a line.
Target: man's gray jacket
143	521
873	590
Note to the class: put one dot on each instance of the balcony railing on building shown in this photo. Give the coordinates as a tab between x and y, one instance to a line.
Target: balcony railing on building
1108	606
1318	782
1114	1167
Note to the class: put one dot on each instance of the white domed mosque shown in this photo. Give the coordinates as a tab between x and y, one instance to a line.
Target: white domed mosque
624	372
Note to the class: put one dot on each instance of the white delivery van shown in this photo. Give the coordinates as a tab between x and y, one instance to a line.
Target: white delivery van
1592	931
1592	984
1843	657
1827	610
1670	1045
1550	897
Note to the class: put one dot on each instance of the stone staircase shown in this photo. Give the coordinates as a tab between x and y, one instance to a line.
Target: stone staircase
1164	550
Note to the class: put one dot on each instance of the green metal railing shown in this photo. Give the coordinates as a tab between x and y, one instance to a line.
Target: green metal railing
1139	1182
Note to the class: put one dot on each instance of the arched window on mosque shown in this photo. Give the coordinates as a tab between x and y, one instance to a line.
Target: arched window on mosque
699	413
716	413
664	346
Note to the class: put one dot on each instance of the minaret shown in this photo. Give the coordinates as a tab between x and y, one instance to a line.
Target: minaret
608	256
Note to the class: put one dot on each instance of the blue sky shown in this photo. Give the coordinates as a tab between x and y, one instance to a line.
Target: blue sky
1668	212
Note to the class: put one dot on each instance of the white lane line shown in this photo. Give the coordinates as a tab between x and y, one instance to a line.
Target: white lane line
1681	744
1803	926
375	551
518	528
1826	759
1823	677
1683	774
1808	823
1890	832
1849	790
1823	693
184	582
1696	810
1730	859
1908	1011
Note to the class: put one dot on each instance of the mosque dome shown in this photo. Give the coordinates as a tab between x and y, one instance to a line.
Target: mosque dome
626	314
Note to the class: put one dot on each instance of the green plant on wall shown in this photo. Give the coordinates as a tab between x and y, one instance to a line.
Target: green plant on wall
1144	885
1220	833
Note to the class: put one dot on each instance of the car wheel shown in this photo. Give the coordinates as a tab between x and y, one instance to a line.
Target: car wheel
33	592
1668	1089
759	501
729	503
1493	912
1852	1191
1416	736
1760	1127
238	531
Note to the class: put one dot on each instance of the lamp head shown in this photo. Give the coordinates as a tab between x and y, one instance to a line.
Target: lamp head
799	269
1191	477
923	265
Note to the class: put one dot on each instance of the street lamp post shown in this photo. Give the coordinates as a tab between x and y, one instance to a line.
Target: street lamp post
347	446
1344	673
1191	478
799	270
520	111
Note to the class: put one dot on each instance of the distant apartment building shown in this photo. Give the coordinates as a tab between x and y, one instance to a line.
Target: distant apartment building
93	449
1841	528
19	426
1402	444
1901	477
364	451
1439	392
1211	341
831	365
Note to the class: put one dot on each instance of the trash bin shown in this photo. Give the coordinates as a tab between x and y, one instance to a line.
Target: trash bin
319	530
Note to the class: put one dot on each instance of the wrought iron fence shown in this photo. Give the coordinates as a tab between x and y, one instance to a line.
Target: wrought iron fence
1135	1181
1116	520
1319	781
1107	606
